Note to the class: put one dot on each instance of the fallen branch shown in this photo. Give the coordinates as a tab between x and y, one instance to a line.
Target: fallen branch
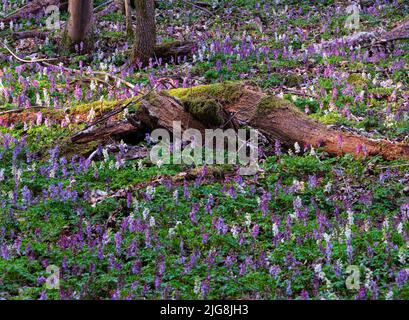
21	110
102	5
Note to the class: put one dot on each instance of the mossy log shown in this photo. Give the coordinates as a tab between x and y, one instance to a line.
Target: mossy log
245	104
30	8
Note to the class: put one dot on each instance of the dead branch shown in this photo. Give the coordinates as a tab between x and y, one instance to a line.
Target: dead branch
29	34
86	132
21	110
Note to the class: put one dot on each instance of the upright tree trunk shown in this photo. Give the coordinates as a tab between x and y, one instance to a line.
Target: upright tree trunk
145	33
80	22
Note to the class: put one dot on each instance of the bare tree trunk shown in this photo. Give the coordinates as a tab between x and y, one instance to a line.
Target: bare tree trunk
145	33
80	23
128	18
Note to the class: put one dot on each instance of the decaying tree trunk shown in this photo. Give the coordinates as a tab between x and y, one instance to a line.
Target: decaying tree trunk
145	32
30	8
80	23
245	104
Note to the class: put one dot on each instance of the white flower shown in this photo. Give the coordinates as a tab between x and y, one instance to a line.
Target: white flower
91	115
176	195
171	232
106	237
140	164
319	272
402	256
38	99
46	97
93	85
368	278
159	163
385	224
350	217
197	286
400	228
328	187
150	191
52	173
135	204
348	233
117	165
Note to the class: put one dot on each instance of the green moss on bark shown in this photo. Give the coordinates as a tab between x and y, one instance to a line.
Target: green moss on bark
272	102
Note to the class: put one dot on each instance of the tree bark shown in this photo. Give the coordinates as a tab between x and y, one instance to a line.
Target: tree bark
145	32
80	23
274	117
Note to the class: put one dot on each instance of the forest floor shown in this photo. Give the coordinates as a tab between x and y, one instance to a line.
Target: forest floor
119	227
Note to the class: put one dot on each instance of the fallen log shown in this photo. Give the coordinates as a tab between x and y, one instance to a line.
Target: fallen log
113	131
30	8
247	105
